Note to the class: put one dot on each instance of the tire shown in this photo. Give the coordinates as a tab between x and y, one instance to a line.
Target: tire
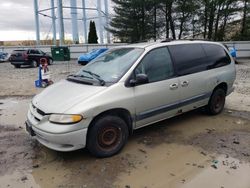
107	136
44	84
216	102
17	66
83	63
50	62
34	64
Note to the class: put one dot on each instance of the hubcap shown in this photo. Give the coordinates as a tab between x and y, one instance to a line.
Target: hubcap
218	102
109	137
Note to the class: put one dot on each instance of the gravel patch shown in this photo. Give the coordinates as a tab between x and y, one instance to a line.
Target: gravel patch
20	81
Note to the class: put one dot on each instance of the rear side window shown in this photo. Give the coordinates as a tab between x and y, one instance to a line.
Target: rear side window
216	56
18	52
188	58
34	52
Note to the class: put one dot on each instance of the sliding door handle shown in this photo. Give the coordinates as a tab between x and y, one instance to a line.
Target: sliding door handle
173	86
184	83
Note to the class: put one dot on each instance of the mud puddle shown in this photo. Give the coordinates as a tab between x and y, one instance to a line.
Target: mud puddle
174	166
184	151
18	179
226	172
193	150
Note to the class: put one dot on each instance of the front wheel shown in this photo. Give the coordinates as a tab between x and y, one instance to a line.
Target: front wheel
51	61
216	102
107	136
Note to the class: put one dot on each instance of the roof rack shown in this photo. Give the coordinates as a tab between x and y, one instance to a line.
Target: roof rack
167	40
197	39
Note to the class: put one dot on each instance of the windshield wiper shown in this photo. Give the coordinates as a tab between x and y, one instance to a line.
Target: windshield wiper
73	78
96	76
79	76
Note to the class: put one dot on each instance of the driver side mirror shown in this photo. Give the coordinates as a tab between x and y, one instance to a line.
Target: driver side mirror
139	80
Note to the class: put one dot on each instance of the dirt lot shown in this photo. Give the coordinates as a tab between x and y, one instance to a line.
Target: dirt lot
20	82
191	150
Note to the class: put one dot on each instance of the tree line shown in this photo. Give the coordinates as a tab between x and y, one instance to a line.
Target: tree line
142	20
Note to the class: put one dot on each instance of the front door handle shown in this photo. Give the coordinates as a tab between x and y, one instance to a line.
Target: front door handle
173	86
184	83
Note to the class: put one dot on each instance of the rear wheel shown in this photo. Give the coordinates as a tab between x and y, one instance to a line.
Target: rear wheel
107	136
34	64
216	102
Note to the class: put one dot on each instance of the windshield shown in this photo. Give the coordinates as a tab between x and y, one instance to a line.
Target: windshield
112	65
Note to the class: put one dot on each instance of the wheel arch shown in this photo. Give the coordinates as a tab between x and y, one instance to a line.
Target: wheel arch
120	112
222	85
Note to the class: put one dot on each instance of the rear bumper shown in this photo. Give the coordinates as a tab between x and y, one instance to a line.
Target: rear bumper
20	62
230	90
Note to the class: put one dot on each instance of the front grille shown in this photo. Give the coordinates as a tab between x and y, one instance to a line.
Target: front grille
37	119
40	112
37	113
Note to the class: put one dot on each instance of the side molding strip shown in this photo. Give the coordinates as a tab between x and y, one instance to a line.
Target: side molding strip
172	106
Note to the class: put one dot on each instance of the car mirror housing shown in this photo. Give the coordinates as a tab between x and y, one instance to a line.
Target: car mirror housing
139	80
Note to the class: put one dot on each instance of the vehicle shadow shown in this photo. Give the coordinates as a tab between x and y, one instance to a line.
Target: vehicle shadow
151	135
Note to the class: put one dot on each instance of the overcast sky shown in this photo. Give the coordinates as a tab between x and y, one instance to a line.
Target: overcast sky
17	19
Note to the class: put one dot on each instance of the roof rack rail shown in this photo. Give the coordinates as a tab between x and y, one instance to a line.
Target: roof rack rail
201	39
167	40
140	41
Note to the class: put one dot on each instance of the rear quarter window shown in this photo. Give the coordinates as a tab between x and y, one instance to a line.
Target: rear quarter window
193	58
216	56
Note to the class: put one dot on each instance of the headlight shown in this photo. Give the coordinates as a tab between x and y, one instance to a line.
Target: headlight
65	118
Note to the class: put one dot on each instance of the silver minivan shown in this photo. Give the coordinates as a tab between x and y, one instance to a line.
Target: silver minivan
127	88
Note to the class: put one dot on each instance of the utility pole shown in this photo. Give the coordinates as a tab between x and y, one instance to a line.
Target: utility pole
100	26
37	22
60	21
84	19
107	20
75	35
53	20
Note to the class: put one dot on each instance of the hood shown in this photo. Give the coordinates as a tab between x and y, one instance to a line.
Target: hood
61	96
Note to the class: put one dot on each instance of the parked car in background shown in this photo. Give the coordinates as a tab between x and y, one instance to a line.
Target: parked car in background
128	88
86	58
28	57
3	56
233	51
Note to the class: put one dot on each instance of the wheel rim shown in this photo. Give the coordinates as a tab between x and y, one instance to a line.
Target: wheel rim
218	102
109	137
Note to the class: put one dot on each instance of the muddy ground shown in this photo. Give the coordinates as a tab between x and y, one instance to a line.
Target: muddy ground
191	150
